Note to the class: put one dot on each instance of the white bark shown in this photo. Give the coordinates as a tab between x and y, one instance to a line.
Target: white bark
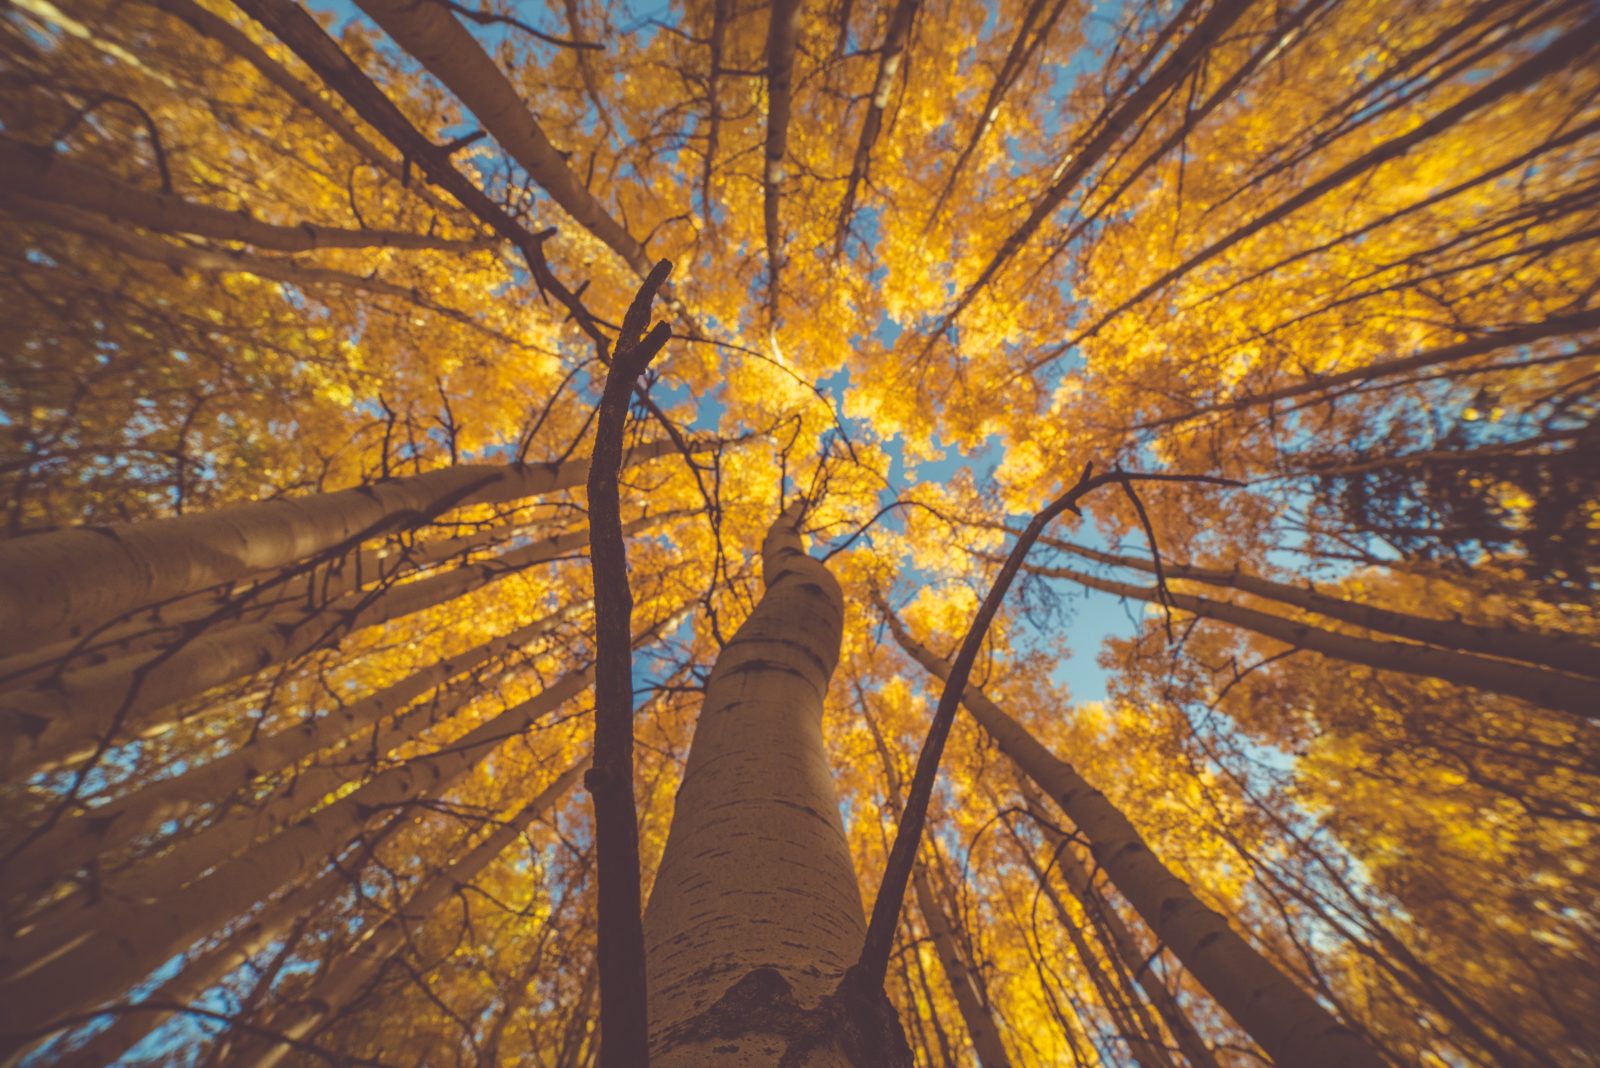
757	875
65	583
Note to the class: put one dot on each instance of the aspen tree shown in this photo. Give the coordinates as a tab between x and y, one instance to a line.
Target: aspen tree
246	602
376	944
42	985
1550	689
980	1023
68	583
106	827
981	1027
433	34
1120	939
249	937
70	719
756	913
43	174
1552	649
1129	1017
1287	1022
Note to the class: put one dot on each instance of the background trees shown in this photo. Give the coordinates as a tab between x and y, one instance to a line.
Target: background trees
355	276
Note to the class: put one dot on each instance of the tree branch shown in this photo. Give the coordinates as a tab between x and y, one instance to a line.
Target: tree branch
623	1020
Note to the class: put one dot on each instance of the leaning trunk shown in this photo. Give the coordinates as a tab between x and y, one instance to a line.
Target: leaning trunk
33	863
1287	1022
44	981
70	582
73	719
981	1027
1121	941
1548	689
350	972
204	971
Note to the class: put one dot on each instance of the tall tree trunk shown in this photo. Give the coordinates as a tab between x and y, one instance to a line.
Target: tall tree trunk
1121	942
432	33
68	721
234	831
351	970
974	1013
783	33
200	974
756	913
1548	689
1133	1024
66	583
267	595
240	44
1286	1021
981	1027
1563	652
889	56
33	863
44	174
40	985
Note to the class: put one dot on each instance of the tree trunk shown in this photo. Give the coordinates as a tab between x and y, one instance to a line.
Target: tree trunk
889	55
1563	652
980	1025
249	601
1133	1024
192	850
34	863
44	174
432	33
974	1013
240	44
783	32
66	583
1288	1023
1121	941
755	913
1547	689
197	976
119	945
300	30
66	722
351	970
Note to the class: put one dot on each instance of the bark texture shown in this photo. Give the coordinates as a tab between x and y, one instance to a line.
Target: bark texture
1288	1023
65	583
68	721
1540	686
756	913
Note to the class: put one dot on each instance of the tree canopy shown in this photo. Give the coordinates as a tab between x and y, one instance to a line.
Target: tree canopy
1310	286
